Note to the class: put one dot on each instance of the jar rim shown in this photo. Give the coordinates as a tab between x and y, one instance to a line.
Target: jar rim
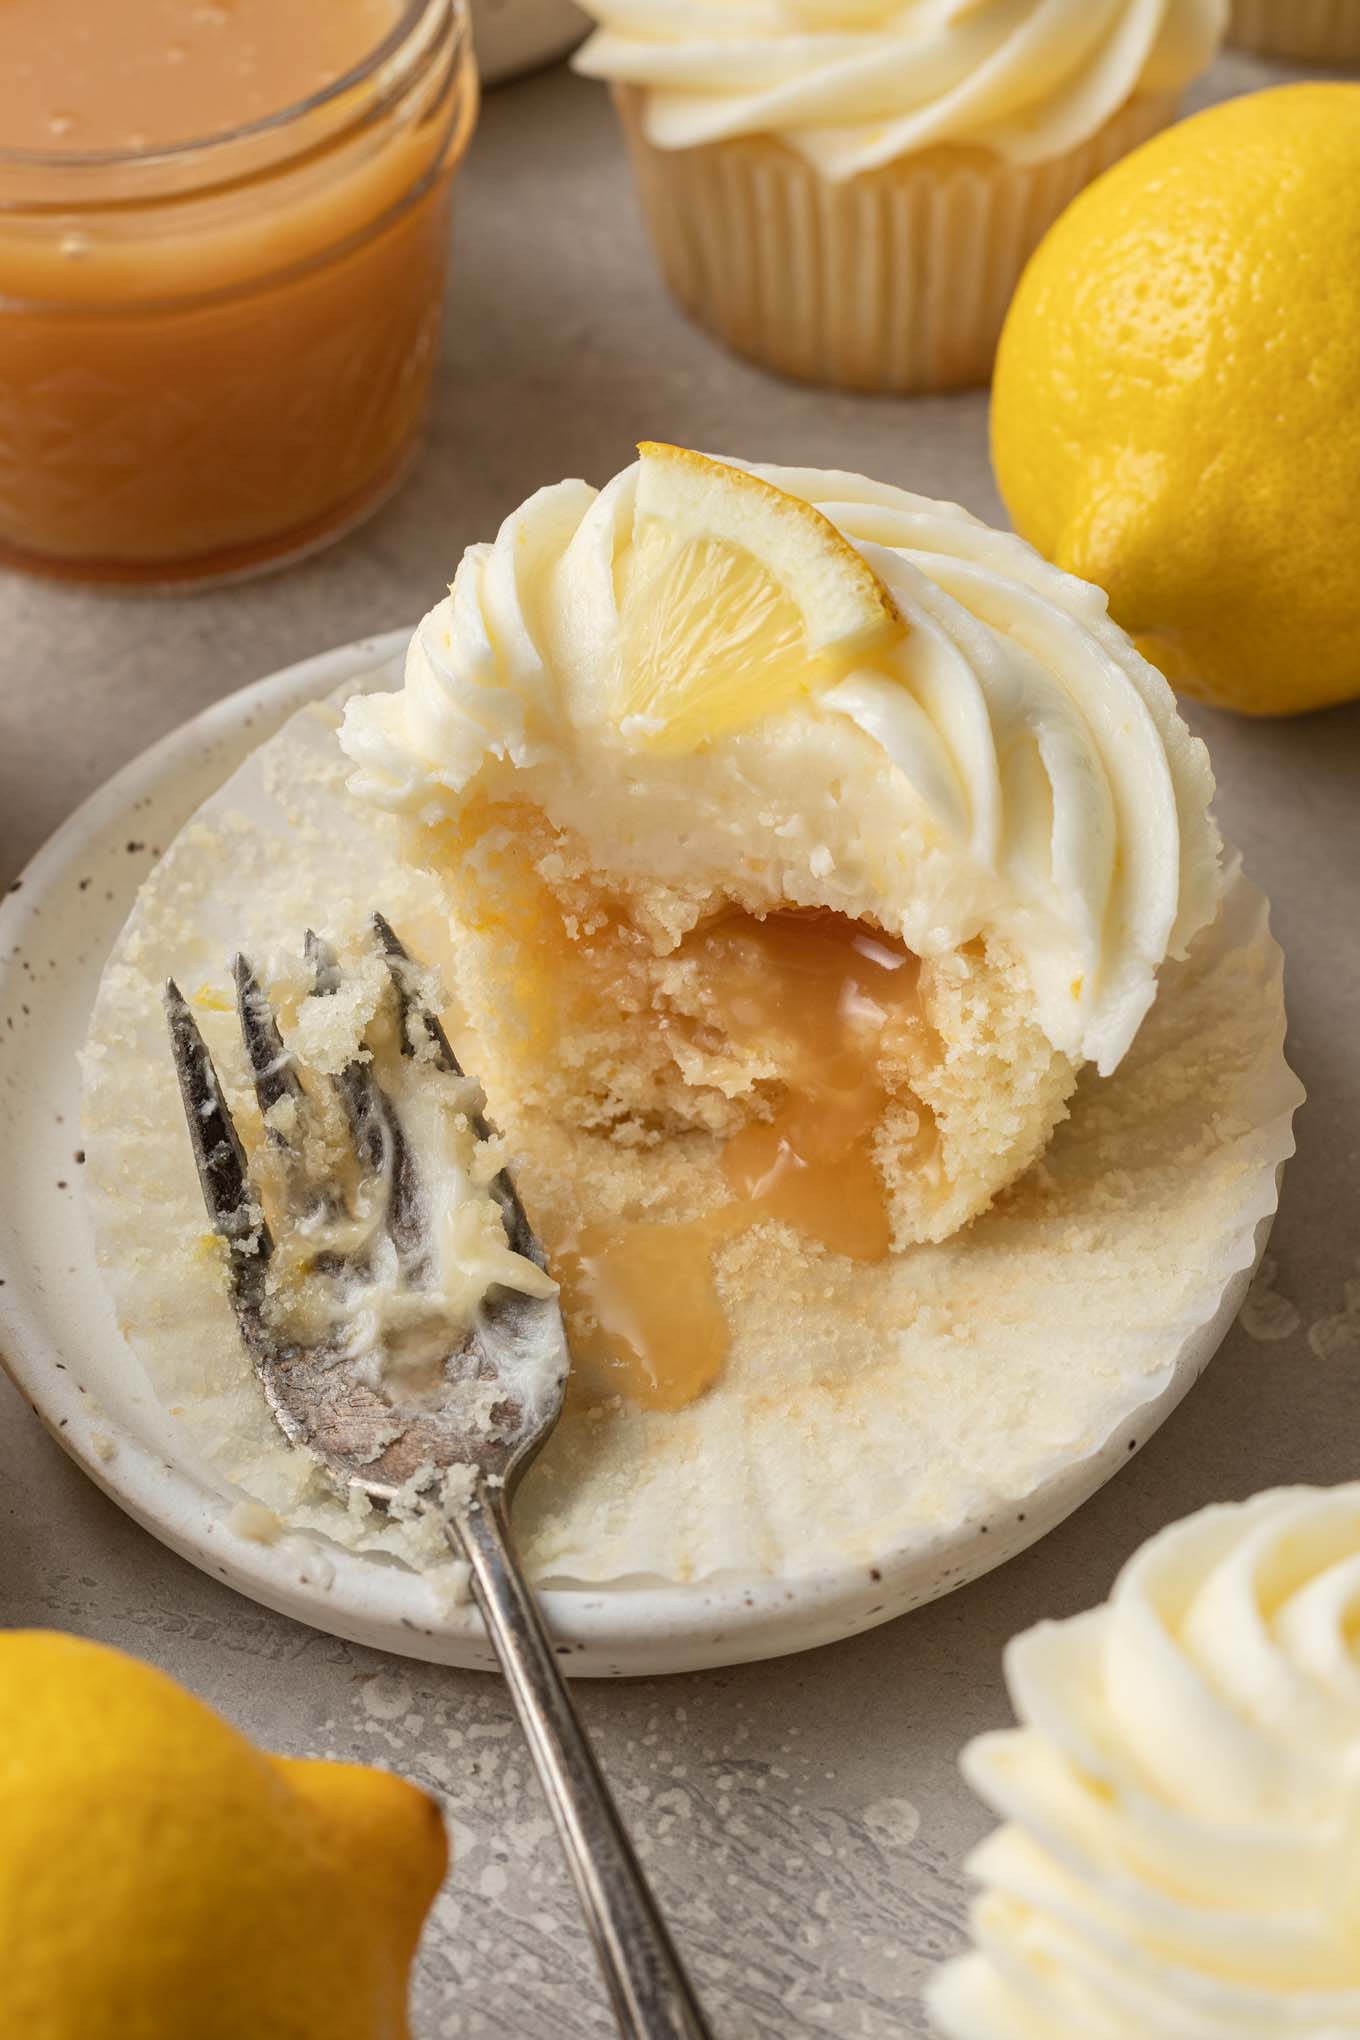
414	13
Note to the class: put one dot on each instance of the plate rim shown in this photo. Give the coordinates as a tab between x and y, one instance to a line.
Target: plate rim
627	1630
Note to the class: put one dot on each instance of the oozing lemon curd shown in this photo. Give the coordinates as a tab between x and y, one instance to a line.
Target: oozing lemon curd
815	994
643	1312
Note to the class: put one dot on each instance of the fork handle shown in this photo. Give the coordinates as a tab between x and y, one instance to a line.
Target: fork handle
651	1994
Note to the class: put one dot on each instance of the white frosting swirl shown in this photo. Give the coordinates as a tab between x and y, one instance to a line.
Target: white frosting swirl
1014	765
1182	1854
856	84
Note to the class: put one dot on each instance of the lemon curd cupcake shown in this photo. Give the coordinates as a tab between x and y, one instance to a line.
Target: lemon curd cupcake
804	838
1309	31
1179	1849
847	193
825	891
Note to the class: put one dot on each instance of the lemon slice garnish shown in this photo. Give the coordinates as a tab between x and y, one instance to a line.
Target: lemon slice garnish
735	599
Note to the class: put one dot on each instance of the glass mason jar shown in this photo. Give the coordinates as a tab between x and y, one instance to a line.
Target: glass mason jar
216	356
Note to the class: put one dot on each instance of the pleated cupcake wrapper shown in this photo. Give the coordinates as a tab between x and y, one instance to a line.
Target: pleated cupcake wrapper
1316	31
895	280
1026	1353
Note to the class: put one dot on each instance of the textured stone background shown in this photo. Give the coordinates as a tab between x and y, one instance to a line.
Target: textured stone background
804	1819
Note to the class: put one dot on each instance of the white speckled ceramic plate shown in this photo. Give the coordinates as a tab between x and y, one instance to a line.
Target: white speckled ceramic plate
62	1346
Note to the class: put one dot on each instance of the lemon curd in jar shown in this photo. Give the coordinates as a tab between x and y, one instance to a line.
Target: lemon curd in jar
223	228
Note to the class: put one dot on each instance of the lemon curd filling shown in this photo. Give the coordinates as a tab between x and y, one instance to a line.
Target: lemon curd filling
816	998
821	997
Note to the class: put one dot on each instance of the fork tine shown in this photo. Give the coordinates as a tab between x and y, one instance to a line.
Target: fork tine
520	1234
271	1063
414	1007
370	1113
232	1205
325	964
374	1127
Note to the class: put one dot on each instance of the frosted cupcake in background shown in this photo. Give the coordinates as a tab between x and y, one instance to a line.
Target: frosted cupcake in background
1183	1798
1309	31
847	190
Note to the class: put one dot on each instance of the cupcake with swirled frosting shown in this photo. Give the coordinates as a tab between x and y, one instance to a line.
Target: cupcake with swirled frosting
806	830
1179	1854
847	190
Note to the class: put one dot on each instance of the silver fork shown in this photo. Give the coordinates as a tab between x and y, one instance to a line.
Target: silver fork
373	1441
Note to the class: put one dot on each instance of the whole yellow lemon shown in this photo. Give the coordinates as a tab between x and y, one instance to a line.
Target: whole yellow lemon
162	1879
1176	406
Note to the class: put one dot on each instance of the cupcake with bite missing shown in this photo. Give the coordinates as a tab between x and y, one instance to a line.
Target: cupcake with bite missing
803	840
846	191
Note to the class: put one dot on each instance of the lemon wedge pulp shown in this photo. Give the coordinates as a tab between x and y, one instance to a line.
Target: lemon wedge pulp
735	599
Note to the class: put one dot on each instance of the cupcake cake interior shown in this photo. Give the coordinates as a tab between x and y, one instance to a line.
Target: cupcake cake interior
761	1060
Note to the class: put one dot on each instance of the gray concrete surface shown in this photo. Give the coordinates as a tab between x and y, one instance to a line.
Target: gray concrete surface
804	1819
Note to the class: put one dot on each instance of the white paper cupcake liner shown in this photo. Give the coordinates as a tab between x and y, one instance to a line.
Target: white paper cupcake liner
1311	31
896	280
1007	1372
